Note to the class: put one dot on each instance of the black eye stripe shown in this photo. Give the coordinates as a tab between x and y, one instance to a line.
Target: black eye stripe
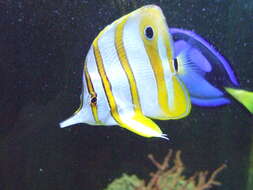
93	100
149	33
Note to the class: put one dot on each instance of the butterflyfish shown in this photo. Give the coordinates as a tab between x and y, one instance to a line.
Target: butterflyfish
129	76
208	76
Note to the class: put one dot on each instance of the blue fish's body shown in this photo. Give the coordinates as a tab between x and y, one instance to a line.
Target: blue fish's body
208	77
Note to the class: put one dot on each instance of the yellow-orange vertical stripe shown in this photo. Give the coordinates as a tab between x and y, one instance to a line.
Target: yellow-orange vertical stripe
151	47
138	117
105	82
167	43
125	64
92	93
156	64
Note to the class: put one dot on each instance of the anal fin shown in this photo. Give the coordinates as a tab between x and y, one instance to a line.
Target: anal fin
141	125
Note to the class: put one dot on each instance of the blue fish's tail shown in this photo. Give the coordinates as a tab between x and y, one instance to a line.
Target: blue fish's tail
243	96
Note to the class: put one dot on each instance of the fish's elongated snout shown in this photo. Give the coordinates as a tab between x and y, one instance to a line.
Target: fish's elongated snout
67	123
74	119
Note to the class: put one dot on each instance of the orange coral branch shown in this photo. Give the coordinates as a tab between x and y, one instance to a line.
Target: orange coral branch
203	184
159	179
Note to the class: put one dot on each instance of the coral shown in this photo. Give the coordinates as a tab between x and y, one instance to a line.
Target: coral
126	182
168	177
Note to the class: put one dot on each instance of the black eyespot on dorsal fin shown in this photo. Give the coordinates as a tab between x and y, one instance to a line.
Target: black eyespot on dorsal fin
149	33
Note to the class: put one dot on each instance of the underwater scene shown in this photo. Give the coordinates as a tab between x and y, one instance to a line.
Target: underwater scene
126	95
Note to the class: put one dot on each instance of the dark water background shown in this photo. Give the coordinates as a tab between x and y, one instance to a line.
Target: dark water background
42	47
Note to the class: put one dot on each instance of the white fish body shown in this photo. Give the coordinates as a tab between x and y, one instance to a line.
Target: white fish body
129	76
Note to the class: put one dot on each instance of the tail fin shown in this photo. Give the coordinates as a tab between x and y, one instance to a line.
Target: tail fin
243	96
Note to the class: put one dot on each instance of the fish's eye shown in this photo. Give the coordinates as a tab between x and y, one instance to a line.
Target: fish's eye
93	100
149	33
175	65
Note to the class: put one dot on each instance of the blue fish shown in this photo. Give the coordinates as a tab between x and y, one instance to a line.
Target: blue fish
208	77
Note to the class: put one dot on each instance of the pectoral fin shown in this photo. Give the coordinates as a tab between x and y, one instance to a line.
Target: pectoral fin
141	125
